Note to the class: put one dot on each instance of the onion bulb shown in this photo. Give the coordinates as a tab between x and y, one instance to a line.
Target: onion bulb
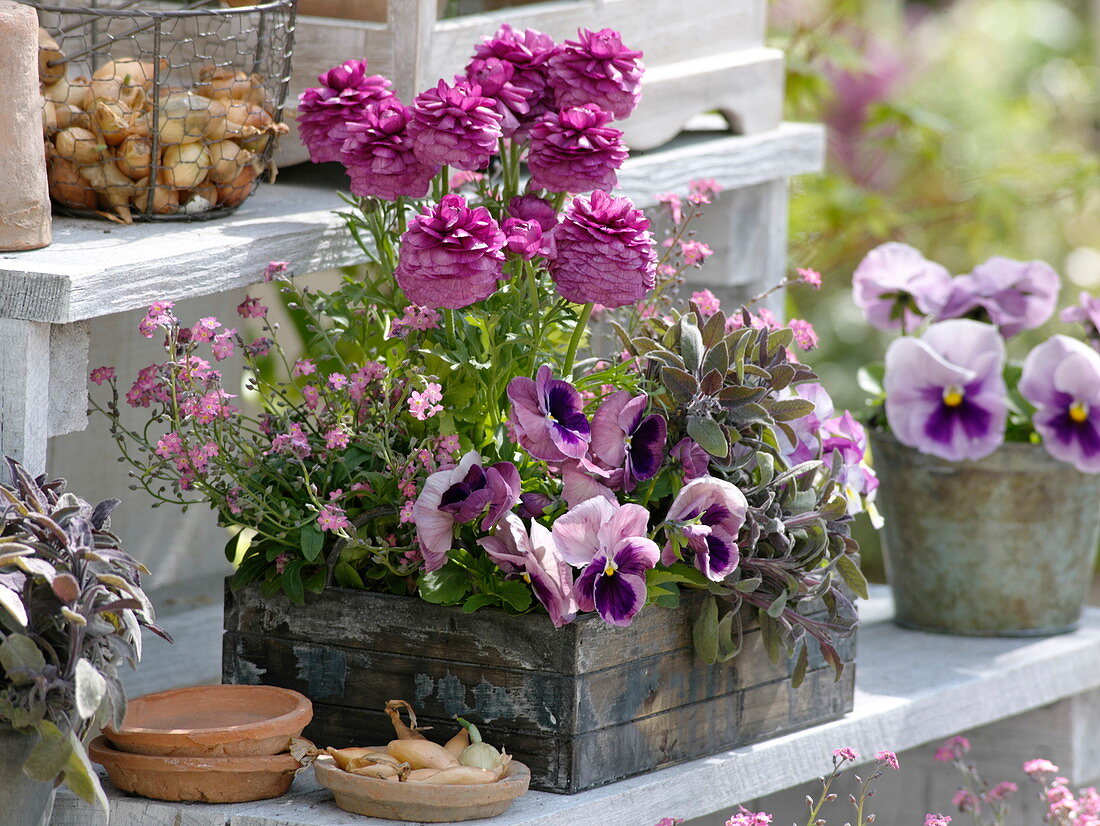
68	187
115	189
200	199
113	121
79	145
185	116
129	71
166	200
185	165
135	157
49	53
73	93
233	193
226	161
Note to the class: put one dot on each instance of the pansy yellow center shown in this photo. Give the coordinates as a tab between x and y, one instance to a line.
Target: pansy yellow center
952	395
1079	412
527	577
610	568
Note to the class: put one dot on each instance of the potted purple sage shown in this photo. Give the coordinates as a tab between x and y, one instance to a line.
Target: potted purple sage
989	466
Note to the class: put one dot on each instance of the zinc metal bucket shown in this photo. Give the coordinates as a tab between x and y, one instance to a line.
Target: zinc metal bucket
23	802
1003	546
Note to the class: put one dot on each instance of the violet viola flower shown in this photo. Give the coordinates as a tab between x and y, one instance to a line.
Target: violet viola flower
1014	295
624	437
323	113
597	68
706	516
609	542
845	441
378	155
455	126
945	392
579	483
895	285
807	429
692	458
1061	377
1087	313
535	558
461	495
548	417
451	255
575	151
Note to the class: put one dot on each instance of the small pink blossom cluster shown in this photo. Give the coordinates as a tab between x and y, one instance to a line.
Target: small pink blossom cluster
424	404
415	318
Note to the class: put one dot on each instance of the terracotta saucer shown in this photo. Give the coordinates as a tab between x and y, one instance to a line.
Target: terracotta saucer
421	802
213	721
198	779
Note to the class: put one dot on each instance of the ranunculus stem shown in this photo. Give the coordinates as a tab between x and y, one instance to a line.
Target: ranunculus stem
575	341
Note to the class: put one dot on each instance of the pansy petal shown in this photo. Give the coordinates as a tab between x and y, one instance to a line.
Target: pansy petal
578	485
619	597
608	437
635	555
576	532
628	521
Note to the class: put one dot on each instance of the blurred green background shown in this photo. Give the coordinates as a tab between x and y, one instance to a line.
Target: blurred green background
967	129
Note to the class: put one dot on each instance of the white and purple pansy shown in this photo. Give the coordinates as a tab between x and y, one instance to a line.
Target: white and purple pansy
610	543
548	417
458	496
624	437
945	391
707	515
896	286
1061	377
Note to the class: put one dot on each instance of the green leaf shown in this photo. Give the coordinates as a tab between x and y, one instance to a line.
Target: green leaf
800	667
704	633
447	586
90	689
786	410
515	593
691	345
312	541
81	778
870	378
13	604
681	384
292	582
730	638
747	586
479	601
708	434
48	757
19	652
347	577
852	575
775	610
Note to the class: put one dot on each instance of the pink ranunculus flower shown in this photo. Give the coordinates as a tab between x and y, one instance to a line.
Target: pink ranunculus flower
610	543
455	125
575	150
378	154
707	515
528	52
597	68
500	81
1014	295
460	495
324	112
524	238
533	208
603	252
451	255
535	558
945	391
894	283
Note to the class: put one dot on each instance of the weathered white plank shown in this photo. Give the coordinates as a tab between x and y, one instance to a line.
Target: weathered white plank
94	268
911	689
24	391
68	378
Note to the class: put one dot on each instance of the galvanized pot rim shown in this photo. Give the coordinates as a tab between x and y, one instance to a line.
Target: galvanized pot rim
1010	457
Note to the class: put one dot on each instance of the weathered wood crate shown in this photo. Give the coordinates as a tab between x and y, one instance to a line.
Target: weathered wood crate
583	705
700	55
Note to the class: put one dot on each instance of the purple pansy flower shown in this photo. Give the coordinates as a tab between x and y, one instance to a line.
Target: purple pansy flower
1061	377
692	458
1086	312
609	542
345	92
945	392
455	126
451	255
548	417
1014	295
536	559
624	437
708	514
845	441
894	283
579	483
533	505
458	496
807	429
603	252
378	155
597	68
575	151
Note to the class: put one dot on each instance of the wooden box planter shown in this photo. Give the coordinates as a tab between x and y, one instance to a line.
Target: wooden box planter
583	705
700	55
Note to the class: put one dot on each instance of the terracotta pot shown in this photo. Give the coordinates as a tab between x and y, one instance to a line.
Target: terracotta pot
213	721
421	802
197	779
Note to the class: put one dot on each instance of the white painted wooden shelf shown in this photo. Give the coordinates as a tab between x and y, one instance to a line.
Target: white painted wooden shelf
911	688
95	268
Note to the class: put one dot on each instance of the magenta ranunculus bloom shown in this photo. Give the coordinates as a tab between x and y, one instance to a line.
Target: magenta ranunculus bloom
455	126
379	157
1061	377
451	255
524	238
708	514
1014	295
624	438
323	113
498	81
610	543
528	52
603	252
458	496
533	208
597	68
895	283
575	151
534	557
945	392
548	417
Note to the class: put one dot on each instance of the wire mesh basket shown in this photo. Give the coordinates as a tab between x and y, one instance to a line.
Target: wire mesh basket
162	110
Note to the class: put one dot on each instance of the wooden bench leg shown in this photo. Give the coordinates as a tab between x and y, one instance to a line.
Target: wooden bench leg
25	391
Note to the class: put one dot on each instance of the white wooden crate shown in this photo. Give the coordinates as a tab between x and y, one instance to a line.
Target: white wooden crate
700	55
